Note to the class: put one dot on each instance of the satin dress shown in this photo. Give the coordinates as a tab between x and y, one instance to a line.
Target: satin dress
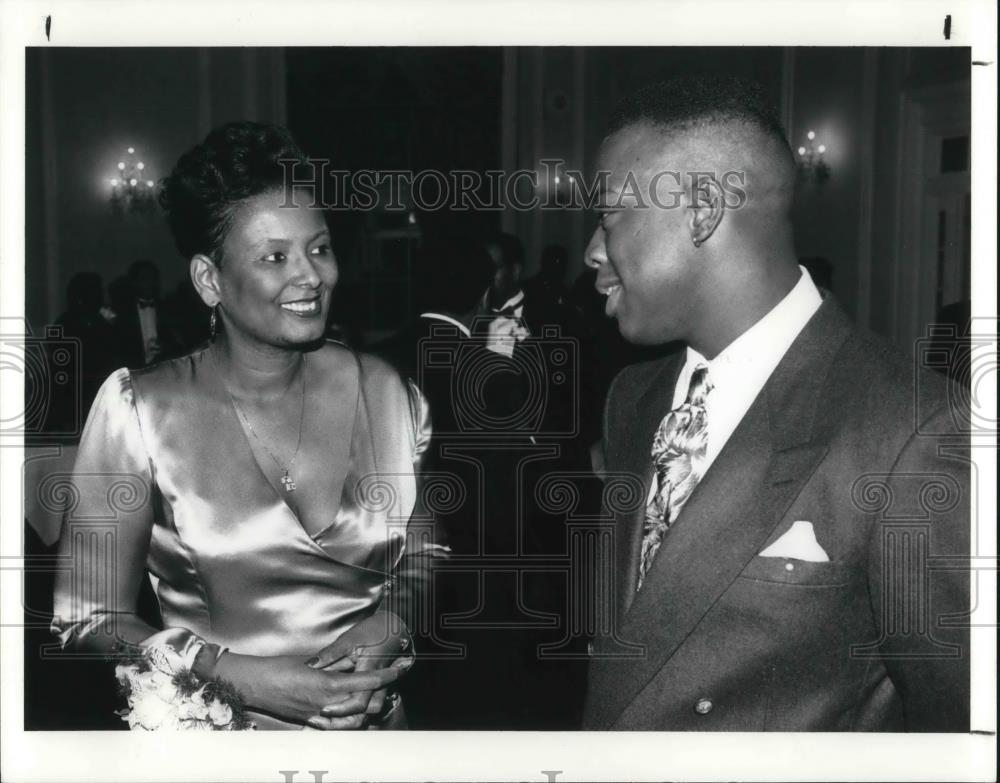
163	454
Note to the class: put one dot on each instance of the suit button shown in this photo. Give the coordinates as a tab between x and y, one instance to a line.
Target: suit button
703	706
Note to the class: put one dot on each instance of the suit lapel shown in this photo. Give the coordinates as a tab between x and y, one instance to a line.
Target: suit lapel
729	516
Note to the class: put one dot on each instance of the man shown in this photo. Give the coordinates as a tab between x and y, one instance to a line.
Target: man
771	575
548	297
144	334
504	299
451	272
87	320
475	390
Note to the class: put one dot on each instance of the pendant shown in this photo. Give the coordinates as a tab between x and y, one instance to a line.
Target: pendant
287	483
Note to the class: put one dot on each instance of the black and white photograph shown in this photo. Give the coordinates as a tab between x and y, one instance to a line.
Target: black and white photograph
578	398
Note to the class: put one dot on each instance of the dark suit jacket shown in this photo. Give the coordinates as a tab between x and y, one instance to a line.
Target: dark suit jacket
129	336
844	435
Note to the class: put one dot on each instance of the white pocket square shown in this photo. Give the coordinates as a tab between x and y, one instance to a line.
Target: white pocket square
799	543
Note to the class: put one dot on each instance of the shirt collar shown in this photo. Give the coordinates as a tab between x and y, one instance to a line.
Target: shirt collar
441	317
514	301
750	359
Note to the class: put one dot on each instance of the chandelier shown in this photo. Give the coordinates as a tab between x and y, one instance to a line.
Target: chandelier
131	188
811	164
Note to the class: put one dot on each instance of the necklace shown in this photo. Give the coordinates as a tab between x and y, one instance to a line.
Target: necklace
286	478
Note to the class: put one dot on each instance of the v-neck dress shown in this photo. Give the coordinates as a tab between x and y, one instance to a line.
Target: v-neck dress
228	558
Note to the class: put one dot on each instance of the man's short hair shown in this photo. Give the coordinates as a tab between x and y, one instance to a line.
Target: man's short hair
511	249
691	102
454	270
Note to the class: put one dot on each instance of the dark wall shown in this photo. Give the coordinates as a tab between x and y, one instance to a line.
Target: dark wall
398	108
85	107
592	81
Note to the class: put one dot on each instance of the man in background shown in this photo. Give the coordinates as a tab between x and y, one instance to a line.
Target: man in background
475	389
145	334
505	296
548	296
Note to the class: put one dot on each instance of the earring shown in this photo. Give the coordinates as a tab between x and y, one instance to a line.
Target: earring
697	242
213	321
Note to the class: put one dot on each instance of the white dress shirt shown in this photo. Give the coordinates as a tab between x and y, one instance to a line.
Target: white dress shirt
515	304
739	372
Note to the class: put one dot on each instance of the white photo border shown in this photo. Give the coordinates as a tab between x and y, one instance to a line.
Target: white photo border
564	756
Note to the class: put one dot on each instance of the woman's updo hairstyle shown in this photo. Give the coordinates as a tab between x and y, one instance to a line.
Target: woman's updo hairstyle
235	162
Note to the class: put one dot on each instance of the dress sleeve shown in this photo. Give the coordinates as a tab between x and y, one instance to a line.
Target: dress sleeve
106	533
411	598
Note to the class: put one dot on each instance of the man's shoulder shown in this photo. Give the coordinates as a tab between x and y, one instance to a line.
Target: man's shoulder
892	381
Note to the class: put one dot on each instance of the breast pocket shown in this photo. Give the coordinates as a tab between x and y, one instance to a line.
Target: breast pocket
786	570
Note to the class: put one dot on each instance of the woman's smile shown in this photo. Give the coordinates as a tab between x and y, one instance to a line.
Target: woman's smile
304	308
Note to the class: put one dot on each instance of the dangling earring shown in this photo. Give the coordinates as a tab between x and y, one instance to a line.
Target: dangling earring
213	321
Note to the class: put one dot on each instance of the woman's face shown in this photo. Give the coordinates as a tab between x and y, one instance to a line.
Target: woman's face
277	271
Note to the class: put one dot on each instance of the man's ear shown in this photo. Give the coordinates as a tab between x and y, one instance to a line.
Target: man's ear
205	277
707	207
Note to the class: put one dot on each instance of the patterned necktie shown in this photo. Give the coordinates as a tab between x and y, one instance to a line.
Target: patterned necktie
680	439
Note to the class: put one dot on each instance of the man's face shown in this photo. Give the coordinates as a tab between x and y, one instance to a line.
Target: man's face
642	250
506	276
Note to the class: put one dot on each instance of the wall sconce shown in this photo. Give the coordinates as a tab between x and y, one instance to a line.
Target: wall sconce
811	164
131	188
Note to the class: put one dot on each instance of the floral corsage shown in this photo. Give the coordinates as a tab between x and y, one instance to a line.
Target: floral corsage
163	693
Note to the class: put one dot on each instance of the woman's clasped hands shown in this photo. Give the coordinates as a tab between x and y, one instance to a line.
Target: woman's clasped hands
378	646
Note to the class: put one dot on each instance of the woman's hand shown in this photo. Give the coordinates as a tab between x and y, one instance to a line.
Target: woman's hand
284	686
375	643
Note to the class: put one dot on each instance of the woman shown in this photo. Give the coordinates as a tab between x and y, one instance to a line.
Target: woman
266	481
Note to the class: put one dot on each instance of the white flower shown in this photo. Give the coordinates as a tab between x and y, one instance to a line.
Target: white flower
168	692
138	682
221	714
158	678
122	673
193	707
150	712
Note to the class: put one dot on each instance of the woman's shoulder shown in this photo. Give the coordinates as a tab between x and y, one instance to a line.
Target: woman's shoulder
164	377
118	385
373	371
